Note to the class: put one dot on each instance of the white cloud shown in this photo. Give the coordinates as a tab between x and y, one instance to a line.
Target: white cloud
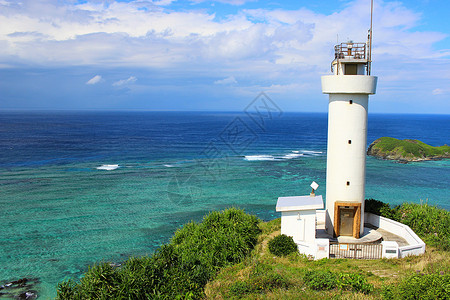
94	80
226	81
231	2
438	91
163	2
277	48
139	33
130	79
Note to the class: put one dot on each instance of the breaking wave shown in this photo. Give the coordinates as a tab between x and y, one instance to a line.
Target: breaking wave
313	153
293	155
107	167
259	157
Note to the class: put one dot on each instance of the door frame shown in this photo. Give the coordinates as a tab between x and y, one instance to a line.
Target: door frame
356	218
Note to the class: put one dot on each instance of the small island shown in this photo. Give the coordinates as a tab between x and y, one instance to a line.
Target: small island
406	150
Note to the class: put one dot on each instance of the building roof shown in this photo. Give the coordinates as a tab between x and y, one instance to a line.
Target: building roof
298	203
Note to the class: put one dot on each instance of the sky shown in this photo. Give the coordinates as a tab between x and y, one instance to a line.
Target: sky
198	55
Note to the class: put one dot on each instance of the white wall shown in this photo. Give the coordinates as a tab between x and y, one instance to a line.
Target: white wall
307	249
319	248
415	244
346	162
303	228
322	248
390	249
352	84
320	215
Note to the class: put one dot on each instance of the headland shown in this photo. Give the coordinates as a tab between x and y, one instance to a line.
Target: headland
406	150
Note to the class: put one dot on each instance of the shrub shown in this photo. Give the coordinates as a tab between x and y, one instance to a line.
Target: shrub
262	279
66	290
282	245
354	282
100	282
430	222
178	270
161	274
321	280
241	288
420	286
326	280
379	208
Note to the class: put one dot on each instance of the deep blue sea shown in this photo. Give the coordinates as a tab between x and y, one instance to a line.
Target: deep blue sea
78	188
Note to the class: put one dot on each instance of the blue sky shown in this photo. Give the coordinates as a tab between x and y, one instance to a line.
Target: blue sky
216	55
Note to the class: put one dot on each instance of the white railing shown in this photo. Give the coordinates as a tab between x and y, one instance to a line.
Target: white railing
321	247
415	245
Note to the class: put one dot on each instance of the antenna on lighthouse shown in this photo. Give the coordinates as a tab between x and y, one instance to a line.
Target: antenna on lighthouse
369	63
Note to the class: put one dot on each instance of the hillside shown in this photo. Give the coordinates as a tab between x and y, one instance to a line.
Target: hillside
263	275
229	255
406	150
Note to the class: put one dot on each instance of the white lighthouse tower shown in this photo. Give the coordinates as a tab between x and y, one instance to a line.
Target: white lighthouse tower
349	88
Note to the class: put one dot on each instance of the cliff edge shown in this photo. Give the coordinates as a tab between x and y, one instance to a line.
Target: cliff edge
406	150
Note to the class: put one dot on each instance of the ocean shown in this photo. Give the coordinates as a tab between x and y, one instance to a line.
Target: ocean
78	188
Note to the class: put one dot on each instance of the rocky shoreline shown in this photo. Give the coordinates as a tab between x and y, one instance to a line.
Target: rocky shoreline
23	289
406	150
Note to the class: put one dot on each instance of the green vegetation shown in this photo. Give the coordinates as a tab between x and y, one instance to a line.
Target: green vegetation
263	279
406	150
282	245
227	256
379	208
261	275
431	223
420	286
178	270
326	280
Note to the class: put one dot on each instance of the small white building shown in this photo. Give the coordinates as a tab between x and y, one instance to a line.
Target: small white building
298	220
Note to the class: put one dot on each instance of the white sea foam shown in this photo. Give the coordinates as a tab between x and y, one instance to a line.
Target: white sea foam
168	166
311	152
259	157
292	155
108	167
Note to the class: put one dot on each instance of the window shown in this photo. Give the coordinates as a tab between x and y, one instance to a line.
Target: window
348	182
349	142
351	69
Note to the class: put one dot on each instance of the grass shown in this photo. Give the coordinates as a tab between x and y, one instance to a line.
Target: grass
392	148
294	271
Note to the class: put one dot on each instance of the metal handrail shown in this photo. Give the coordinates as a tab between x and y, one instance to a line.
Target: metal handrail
350	50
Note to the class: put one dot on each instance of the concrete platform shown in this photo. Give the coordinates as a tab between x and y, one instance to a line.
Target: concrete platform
389	236
369	236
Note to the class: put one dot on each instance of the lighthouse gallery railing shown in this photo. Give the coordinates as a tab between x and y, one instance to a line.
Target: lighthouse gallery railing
350	50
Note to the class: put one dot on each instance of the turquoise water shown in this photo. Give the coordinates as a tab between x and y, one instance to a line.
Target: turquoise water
60	213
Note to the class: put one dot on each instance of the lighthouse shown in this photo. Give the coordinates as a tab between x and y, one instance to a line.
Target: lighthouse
316	231
348	88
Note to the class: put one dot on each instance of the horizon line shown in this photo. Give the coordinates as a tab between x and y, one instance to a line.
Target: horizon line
189	111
